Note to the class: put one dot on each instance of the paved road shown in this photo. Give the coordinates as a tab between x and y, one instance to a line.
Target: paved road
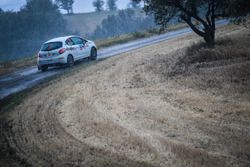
28	77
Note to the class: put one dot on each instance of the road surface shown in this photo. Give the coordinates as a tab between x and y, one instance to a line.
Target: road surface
28	77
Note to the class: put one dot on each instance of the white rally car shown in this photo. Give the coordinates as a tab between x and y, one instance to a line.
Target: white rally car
65	50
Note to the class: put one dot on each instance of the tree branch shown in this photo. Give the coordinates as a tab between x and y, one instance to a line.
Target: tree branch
208	14
194	15
192	26
213	15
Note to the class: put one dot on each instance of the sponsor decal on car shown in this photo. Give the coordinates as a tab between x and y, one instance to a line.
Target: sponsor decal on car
81	47
71	48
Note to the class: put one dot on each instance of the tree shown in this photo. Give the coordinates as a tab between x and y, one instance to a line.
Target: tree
41	18
111	5
66	5
98	4
23	32
134	4
200	15
126	21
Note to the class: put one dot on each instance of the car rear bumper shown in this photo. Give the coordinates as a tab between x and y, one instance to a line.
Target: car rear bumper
51	61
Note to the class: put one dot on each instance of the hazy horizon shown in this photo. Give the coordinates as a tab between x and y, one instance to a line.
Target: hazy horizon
80	6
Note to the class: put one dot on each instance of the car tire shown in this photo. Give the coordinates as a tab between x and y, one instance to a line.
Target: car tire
93	54
43	68
70	61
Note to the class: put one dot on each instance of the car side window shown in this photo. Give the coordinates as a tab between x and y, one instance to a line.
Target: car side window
70	42
84	41
78	41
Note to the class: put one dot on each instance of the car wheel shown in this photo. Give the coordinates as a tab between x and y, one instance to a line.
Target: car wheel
43	68
93	54
70	61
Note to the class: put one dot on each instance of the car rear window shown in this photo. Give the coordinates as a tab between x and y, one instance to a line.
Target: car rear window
51	46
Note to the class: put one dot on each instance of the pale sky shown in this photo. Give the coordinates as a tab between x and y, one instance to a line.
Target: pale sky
80	6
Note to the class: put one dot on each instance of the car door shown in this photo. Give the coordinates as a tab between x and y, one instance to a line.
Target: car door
87	48
82	47
72	48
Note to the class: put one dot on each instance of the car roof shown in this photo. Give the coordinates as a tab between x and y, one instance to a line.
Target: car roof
60	39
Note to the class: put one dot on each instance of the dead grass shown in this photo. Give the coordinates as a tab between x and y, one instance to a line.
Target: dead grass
226	48
136	35
225	68
11	66
136	110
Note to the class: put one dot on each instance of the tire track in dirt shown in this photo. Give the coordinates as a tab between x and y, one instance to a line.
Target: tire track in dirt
125	111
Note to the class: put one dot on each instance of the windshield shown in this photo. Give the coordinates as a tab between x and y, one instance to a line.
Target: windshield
51	46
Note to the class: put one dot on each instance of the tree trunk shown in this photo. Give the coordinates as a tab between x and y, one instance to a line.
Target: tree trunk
208	23
209	37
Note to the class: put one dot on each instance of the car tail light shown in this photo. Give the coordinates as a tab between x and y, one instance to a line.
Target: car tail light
39	55
61	51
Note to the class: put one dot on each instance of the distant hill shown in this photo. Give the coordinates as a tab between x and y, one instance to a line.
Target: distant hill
86	23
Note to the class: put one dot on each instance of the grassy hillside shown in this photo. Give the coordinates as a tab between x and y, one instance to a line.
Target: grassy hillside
85	23
175	103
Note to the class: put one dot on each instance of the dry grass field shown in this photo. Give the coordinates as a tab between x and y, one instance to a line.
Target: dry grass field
176	103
